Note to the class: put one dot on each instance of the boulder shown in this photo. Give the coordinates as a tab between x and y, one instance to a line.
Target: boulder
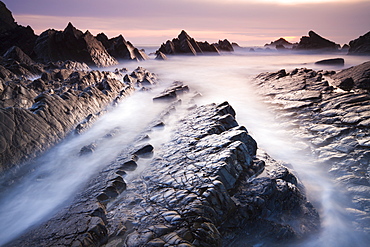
360	46
331	61
72	44
315	42
121	49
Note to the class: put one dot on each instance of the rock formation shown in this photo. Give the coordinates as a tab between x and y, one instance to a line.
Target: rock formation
335	122
37	114
357	78
12	34
280	44
202	185
121	49
72	44
331	61
184	44
224	45
315	42
360	46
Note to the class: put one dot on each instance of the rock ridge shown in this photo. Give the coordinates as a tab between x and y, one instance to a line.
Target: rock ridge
200	186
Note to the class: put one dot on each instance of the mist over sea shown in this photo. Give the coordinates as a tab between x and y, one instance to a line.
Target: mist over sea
228	77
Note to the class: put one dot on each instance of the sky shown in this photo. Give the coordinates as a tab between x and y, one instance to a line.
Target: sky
246	22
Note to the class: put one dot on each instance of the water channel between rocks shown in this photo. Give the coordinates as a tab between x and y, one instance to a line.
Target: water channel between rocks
218	79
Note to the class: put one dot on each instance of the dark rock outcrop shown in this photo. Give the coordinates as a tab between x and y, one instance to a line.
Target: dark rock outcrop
121	49
12	34
160	56
202	185
331	61
184	44
7	21
37	114
335	123
224	45
360	46
280	44
315	42
72	44
356	77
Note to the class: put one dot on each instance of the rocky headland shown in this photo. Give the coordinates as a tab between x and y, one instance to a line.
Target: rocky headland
330	110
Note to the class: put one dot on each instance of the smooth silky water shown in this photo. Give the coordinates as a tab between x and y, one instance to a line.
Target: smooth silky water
60	172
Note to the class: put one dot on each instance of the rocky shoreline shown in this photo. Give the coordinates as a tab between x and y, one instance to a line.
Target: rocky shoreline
202	185
331	111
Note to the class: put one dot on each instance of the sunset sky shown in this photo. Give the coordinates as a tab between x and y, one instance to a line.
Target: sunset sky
247	22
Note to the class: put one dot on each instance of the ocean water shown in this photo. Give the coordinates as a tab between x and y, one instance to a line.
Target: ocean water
228	77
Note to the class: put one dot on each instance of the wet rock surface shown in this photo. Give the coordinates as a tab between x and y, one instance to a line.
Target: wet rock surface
35	114
357	78
333	121
197	189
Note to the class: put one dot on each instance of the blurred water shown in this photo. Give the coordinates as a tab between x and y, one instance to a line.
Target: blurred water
61	171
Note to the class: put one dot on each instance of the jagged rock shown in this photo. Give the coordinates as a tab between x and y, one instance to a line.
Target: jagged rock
315	42
171	93
14	95
360	46
224	45
331	61
72	44
68	64
141	77
119	48
12	34
280	44
160	56
184	44
34	123
7	21
16	54
202	186
334	121
354	77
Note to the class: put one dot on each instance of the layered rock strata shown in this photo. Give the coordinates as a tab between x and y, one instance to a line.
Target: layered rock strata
37	113
334	122
201	186
360	46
